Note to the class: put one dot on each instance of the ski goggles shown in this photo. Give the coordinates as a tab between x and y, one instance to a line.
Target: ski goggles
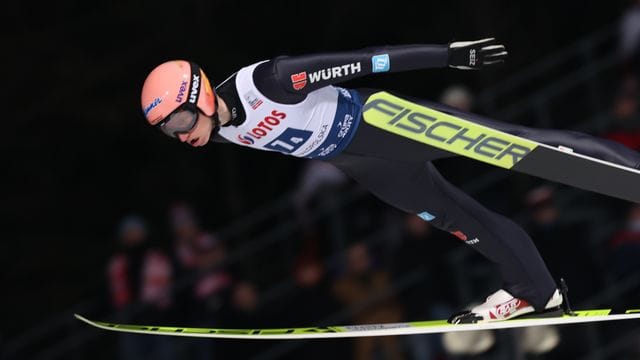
181	121
184	118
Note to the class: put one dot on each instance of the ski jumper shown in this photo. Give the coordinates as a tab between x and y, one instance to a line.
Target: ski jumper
292	105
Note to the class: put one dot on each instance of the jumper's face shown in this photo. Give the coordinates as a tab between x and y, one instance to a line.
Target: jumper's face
200	133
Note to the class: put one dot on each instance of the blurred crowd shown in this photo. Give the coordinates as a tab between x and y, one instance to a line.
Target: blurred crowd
392	267
624	114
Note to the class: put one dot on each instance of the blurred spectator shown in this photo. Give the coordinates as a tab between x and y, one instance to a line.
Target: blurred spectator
624	245
312	287
537	340
366	291
308	271
204	281
420	256
468	344
316	178
243	311
629	38
542	209
185	228
624	118
245	300
569	252
214	279
458	96
140	279
555	237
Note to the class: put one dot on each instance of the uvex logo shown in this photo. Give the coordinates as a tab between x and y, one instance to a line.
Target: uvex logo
181	91
449	133
195	86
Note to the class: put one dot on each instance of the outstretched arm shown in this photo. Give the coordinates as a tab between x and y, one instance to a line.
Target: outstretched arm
303	74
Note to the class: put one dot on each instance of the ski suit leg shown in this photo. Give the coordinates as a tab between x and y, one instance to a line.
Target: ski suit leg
418	187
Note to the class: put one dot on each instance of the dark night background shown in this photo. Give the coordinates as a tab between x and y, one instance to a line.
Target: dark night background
78	155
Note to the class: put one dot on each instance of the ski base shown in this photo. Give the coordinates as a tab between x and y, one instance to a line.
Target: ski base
406	328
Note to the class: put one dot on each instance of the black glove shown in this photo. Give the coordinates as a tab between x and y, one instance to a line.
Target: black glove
473	55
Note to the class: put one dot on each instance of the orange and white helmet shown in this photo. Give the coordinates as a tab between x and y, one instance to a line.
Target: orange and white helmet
172	94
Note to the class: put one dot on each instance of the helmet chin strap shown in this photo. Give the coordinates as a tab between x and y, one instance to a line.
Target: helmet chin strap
216	127
215	119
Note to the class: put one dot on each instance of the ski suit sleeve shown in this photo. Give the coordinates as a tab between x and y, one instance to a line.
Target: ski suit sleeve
289	78
306	73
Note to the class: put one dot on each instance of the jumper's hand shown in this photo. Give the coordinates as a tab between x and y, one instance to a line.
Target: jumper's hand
473	55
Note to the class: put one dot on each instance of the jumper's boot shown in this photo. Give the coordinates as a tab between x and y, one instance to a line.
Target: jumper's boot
501	305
